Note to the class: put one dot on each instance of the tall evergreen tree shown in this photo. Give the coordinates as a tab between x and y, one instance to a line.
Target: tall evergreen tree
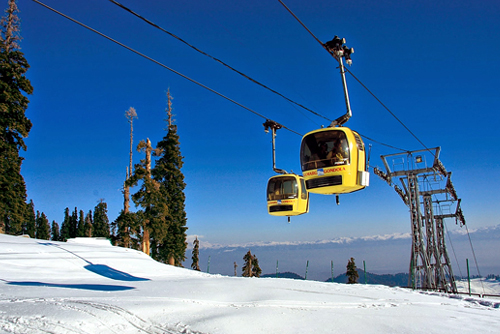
29	227
167	172
151	199
247	267
14	125
256	271
126	225
54	230
101	221
42	226
352	273
65	232
195	255
73	226
251	267
88	225
80	231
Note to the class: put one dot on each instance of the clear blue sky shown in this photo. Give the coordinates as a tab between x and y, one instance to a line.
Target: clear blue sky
435	64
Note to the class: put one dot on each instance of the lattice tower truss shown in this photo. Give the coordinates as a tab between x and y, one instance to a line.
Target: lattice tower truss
430	196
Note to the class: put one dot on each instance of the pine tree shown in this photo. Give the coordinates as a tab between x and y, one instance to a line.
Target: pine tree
88	225
167	172
150	198
126	224
54	230
352	273
101	221
137	219
80	230
195	255
65	233
14	125
73	225
42	226
251	267
247	267
29	227
256	271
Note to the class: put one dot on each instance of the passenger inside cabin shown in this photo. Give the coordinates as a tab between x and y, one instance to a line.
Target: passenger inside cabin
321	153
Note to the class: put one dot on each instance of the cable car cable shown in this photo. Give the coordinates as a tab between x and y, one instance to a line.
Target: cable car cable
303	25
387	145
158	63
216	59
386	108
242	74
452	248
474	255
178	73
293	103
364	86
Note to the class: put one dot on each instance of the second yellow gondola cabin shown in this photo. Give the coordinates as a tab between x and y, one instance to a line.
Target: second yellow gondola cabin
333	161
287	195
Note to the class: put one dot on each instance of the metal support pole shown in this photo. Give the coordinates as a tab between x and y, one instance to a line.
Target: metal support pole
346	93
208	266
331	262
468	275
307	267
274	126
338	50
364	269
276	268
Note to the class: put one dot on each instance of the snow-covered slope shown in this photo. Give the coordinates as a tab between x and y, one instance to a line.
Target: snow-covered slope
55	287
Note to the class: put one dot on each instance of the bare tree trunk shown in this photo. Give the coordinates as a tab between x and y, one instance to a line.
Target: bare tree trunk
148	157
145	241
126	208
145	237
126	196
131	114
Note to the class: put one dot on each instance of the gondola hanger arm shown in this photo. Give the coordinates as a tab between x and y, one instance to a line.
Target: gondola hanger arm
338	50
270	124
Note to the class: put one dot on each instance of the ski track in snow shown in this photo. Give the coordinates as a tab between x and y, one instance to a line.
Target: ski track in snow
102	314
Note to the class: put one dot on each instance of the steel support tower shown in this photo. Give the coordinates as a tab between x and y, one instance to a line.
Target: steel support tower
428	192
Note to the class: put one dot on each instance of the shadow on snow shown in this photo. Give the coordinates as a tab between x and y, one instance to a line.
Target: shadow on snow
109	272
100	269
96	287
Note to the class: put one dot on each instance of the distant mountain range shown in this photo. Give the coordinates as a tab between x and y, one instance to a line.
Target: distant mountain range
400	279
381	254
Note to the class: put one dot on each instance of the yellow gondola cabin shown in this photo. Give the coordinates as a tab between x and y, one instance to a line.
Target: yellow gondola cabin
333	161
287	195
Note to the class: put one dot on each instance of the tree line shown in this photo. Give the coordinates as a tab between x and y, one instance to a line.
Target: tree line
157	227
75	224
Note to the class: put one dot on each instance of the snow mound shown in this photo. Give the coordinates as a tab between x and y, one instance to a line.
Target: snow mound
74	287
